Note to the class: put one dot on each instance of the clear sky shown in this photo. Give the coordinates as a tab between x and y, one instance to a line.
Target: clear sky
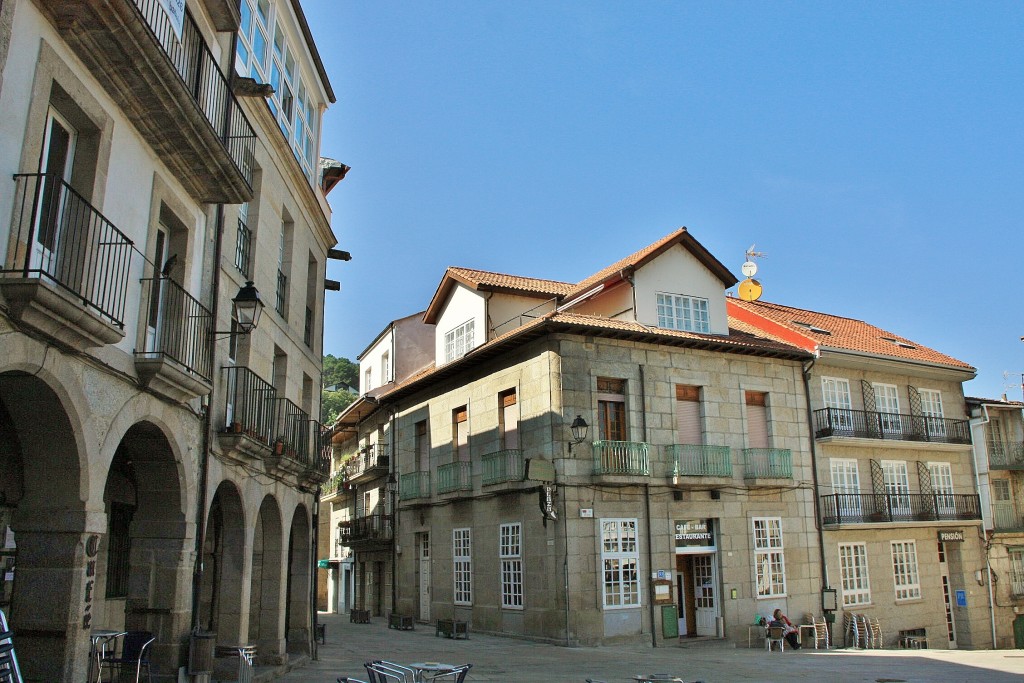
872	150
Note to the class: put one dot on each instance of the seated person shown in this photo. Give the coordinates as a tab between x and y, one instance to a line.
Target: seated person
789	631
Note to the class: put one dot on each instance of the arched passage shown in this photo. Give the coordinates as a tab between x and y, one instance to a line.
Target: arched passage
267	594
55	536
220	601
300	560
145	555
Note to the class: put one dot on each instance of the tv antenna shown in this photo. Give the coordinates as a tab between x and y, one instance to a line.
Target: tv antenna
1011	385
750	289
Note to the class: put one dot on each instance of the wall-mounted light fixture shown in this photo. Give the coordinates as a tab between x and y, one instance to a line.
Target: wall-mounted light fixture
578	428
246	310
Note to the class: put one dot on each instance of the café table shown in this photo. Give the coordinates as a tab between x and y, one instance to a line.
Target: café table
99	640
430	667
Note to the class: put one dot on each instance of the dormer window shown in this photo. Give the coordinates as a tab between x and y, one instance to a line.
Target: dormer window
679	312
897	342
459	341
811	327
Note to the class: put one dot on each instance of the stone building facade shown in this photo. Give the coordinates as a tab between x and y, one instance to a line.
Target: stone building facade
140	486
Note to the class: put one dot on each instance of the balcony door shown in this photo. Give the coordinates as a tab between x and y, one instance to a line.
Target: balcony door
941	474
836	394
897	487
887	402
156	314
423	546
846	485
56	161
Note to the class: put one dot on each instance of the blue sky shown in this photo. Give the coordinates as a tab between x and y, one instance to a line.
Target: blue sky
872	150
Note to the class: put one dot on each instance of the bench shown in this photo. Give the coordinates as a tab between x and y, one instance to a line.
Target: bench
360	616
451	628
913	639
401	622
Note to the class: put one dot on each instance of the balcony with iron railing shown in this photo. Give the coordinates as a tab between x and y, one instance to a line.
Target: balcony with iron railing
862	424
1006	516
307	328
372	461
625	458
170	87
414	486
873	508
66	272
502	467
334	487
1006	455
175	359
455	477
243	249
694	460
297	446
767	463
249	419
374	528
281	293
1017	583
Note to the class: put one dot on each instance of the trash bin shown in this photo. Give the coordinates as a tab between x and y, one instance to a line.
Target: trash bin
200	652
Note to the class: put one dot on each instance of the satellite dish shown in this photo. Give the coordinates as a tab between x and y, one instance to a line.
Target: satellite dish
749	268
750	290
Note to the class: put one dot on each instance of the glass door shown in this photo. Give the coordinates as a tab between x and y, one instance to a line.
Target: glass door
56	161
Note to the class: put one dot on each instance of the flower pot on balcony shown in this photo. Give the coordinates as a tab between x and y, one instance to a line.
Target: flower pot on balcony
236	427
278	447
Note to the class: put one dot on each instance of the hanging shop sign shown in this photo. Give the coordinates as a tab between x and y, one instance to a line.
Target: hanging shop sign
694	533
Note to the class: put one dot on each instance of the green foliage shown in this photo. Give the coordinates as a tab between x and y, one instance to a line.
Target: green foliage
332	403
340	371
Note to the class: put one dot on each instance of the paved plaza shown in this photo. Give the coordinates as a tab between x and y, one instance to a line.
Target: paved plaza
505	659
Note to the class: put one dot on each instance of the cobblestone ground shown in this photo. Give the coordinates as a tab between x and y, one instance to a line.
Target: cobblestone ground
506	659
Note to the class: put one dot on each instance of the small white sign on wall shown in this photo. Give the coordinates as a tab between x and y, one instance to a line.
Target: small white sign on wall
175	11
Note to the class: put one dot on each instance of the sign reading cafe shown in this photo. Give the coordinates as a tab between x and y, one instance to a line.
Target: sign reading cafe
694	533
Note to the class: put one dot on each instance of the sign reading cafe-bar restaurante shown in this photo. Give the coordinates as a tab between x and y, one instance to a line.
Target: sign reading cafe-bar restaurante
694	532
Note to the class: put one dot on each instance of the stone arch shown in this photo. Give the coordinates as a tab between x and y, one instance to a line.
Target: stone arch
300	559
267	590
55	523
221	595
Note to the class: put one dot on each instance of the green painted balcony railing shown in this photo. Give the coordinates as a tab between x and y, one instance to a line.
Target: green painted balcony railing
414	485
769	463
622	457
1006	516
455	476
502	466
1017	583
693	460
1006	456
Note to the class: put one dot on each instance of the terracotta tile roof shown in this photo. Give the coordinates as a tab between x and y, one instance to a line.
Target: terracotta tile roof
528	285
836	332
1001	402
680	236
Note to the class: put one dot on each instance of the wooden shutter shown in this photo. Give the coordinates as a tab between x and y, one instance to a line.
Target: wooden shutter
757	419
688	414
509	419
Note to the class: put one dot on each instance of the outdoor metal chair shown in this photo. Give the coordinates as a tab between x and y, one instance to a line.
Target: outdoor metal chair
349	679
133	659
380	671
9	672
773	635
458	674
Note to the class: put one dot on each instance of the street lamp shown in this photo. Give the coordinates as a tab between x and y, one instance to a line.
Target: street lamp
578	428
247	307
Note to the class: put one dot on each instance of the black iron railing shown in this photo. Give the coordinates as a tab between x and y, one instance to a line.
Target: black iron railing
375	527
307	329
60	237
897	426
177	326
370	458
250	402
293	432
1006	455
192	59
867	508
322	452
243	248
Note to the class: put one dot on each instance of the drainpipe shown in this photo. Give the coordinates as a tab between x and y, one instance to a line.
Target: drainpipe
204	459
977	422
814	479
313	573
647	508
393	495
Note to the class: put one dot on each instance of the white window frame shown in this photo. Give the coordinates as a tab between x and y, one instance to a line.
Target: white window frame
905	575
620	563
846	482
510	556
835	394
931	409
853	570
896	480
941	474
769	557
887	403
683	312
459	340
462	566
1016	557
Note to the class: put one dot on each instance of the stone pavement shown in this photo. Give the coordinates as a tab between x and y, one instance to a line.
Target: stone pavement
508	659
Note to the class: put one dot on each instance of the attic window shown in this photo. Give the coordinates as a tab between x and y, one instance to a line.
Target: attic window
809	326
897	342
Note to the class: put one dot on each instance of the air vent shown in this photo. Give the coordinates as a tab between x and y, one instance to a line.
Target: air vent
897	342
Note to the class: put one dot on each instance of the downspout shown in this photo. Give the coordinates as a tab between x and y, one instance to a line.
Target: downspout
814	480
647	507
393	495
204	459
313	612
565	503
984	533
